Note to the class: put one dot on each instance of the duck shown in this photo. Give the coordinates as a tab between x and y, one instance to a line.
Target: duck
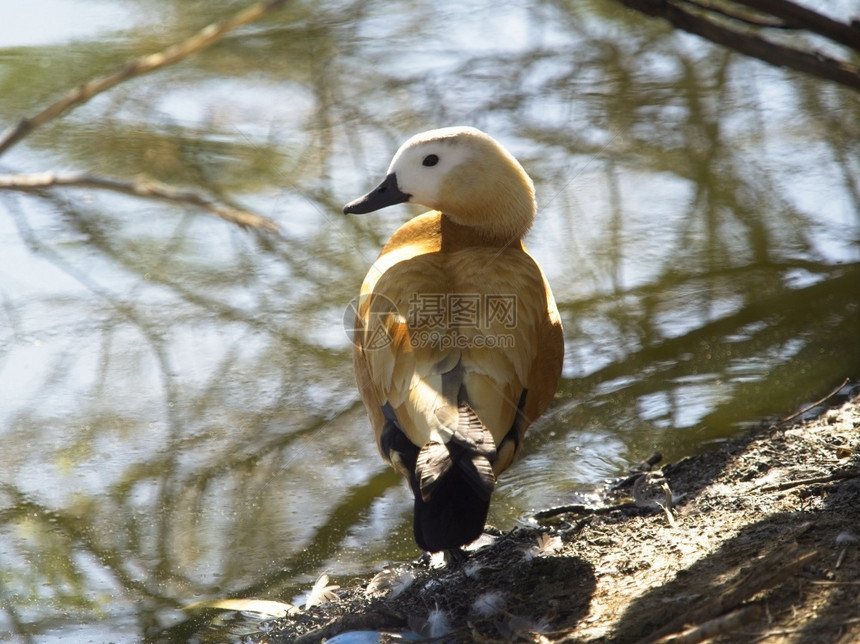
457	342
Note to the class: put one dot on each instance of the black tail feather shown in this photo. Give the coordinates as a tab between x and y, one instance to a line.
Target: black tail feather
454	515
452	485
452	482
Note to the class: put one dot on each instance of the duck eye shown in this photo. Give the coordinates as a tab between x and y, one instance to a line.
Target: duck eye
430	160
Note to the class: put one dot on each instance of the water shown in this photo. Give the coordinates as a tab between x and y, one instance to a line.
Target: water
177	407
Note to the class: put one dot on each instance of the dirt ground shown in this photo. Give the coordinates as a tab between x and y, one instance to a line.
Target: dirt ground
761	544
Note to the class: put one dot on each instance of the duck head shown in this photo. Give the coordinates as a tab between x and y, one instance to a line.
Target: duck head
463	173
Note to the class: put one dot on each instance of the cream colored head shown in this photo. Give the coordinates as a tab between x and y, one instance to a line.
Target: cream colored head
463	173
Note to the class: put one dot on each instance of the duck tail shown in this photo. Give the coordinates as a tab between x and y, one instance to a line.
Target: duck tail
452	485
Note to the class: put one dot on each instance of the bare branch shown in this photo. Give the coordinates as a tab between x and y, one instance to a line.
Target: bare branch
700	19
136	67
799	17
148	188
741	14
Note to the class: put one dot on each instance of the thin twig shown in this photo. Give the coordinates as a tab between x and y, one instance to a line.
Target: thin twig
809	628
827	582
717	626
817	402
668	504
148	188
836	476
136	67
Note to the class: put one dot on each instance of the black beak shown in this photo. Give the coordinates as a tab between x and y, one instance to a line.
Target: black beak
385	194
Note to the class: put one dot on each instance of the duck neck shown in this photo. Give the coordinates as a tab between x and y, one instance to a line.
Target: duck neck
457	236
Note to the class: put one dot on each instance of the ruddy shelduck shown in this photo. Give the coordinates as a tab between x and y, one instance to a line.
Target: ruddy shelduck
458	344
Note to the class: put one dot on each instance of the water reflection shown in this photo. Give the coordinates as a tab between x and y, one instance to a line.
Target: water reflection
176	395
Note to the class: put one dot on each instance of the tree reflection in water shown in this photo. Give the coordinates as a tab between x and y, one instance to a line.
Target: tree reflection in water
179	416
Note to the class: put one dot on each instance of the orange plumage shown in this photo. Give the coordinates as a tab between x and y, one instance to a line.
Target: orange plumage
458	342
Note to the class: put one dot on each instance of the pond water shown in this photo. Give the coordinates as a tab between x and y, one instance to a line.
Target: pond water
177	407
